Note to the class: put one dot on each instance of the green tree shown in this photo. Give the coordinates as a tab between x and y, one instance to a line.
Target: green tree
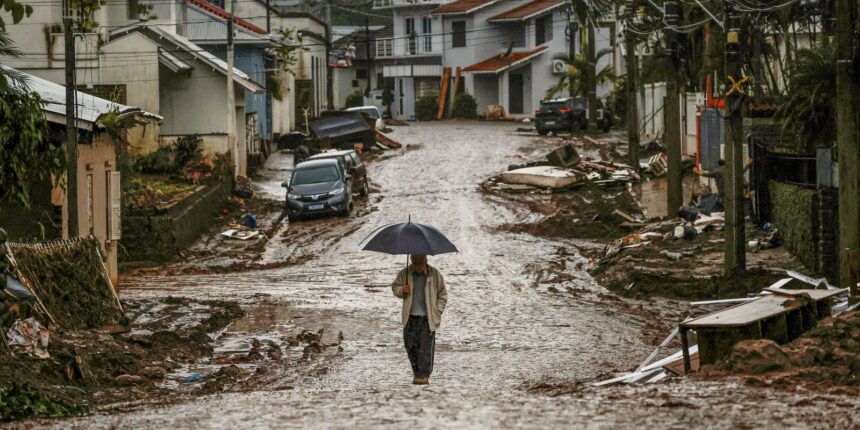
354	100
809	109
464	107
426	108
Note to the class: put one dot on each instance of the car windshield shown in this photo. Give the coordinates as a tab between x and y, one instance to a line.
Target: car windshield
315	175
552	104
371	113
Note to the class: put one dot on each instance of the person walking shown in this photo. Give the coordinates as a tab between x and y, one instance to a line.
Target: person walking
422	289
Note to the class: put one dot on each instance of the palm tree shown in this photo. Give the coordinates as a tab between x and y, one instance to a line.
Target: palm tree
9	76
575	80
810	106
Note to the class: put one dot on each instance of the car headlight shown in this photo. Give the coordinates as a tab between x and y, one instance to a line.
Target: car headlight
294	196
336	191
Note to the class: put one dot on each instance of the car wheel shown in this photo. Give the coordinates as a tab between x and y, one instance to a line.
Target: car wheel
365	189
542	132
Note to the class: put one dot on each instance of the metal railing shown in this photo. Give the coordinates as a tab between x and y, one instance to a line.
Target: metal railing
379	4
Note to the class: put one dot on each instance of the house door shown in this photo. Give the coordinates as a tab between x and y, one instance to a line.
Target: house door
304	100
515	93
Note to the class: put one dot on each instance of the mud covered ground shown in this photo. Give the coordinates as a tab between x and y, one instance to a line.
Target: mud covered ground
526	327
588	212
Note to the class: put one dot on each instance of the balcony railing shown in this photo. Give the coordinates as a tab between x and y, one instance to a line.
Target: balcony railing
418	45
384	47
382	4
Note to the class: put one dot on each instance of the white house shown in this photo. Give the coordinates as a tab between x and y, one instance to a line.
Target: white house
412	56
505	49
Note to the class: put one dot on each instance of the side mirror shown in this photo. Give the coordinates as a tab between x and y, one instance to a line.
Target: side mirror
351	170
347	178
285	184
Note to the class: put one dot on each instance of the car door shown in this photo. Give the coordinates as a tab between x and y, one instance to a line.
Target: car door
349	163
360	174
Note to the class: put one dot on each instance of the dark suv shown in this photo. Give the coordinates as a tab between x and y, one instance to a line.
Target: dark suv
566	114
318	186
352	164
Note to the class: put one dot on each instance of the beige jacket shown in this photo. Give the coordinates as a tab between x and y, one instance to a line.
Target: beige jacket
435	295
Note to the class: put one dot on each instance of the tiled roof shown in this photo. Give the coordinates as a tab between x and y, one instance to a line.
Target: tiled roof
528	10
205	26
215	10
461	7
500	62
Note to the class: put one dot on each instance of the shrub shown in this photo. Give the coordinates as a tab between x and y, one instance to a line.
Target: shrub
355	99
464	107
426	108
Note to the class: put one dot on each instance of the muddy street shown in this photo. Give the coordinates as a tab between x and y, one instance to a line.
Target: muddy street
517	343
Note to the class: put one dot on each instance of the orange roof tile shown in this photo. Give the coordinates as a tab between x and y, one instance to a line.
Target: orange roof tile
461	7
499	62
221	13
523	12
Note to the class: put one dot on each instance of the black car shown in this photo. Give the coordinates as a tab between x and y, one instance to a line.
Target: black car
566	114
318	187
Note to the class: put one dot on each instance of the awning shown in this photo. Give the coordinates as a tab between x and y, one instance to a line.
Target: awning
500	63
528	11
172	62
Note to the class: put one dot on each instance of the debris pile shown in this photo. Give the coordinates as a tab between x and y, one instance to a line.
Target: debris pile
69	281
744	339
563	169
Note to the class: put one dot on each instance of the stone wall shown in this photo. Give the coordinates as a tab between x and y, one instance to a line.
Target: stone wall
159	234
795	212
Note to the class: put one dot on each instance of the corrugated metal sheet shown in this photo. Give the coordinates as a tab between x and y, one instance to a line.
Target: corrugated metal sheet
172	62
90	108
410	70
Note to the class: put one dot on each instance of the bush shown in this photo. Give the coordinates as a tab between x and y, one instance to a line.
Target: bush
426	108
355	99
464	107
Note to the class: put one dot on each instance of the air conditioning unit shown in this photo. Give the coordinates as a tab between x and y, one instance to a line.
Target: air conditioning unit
559	67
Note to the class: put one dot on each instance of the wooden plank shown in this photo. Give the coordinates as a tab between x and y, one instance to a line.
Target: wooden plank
745	314
456	84
443	92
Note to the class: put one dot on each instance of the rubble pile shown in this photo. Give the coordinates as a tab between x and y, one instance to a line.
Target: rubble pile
825	356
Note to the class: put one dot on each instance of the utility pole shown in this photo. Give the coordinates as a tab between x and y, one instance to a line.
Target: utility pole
369	61
268	16
571	51
847	94
672	110
632	108
232	141
591	73
71	126
735	235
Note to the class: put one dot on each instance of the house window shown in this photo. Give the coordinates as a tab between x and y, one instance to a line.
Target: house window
360	73
427	31
411	44
458	34
543	30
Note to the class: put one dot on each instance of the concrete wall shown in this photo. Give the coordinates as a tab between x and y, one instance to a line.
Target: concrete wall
95	162
160	234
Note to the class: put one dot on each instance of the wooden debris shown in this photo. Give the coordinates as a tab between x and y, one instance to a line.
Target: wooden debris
387	141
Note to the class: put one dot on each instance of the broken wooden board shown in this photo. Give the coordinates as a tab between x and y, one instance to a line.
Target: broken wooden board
387	141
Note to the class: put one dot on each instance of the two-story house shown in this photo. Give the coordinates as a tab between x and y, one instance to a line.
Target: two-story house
505	49
411	58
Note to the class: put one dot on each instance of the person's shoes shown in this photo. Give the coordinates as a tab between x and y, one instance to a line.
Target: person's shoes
421	381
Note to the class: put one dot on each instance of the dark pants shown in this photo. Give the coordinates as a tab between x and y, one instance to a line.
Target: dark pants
420	345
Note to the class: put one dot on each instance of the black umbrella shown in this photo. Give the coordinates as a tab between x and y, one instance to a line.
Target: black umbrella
408	238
